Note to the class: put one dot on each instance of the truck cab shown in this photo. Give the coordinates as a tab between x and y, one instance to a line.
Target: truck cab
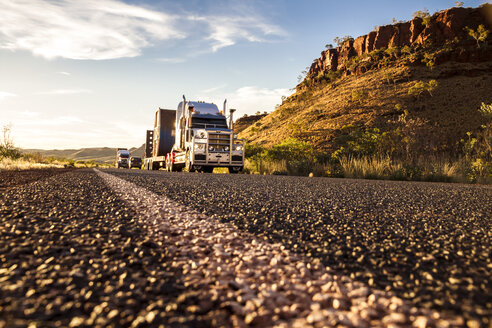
197	136
205	139
122	158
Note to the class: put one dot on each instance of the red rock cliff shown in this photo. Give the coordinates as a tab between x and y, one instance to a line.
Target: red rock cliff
444	26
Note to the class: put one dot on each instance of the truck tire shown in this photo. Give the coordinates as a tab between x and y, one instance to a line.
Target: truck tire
155	166
208	169
235	169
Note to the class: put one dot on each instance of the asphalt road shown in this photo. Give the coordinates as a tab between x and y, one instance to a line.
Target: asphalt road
429	243
71	249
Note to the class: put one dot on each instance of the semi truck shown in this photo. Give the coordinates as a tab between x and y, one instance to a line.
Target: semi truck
122	157
194	137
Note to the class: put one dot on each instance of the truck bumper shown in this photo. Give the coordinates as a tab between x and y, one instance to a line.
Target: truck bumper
218	159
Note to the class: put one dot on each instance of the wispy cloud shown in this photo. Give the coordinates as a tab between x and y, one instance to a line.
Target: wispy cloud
250	99
64	73
226	31
4	95
89	29
108	29
175	60
64	92
211	90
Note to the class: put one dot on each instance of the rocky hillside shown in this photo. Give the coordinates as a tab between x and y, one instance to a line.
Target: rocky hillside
243	122
426	77
442	28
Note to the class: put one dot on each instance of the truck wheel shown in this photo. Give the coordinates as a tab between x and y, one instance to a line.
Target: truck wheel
208	169
188	166
235	169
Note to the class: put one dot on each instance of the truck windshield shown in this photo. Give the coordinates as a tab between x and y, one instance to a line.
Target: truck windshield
124	155
198	122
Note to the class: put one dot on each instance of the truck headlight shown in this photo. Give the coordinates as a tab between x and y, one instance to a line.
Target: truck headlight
226	148
210	148
201	134
238	147
200	147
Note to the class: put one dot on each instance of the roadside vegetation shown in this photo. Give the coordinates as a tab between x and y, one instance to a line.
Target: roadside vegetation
11	158
405	152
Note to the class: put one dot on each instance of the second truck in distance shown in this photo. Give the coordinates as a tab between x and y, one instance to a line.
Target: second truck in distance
195	137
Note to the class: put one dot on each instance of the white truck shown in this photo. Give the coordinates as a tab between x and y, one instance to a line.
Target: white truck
122	158
195	137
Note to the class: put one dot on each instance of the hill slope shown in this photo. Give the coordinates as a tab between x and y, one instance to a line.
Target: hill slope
104	154
371	87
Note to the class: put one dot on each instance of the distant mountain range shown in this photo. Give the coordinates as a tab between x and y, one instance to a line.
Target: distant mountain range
102	154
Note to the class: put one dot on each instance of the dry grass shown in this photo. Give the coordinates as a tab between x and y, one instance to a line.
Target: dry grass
435	169
22	164
369	167
375	167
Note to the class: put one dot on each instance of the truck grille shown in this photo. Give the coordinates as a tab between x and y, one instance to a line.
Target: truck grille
200	157
236	158
219	139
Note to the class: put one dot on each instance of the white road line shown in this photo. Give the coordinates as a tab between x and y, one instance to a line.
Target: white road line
264	284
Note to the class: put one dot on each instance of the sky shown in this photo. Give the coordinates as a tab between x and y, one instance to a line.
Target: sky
91	73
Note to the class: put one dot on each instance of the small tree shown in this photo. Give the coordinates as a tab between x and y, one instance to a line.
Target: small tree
431	85
458	4
341	41
7	148
329	46
424	15
480	35
303	75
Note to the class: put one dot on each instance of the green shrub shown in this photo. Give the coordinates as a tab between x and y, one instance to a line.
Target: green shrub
359	95
393	52
480	34
420	87
406	50
429	60
332	75
358	143
377	54
486	111
292	156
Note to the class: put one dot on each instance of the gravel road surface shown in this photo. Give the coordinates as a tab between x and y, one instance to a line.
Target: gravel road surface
428	243
14	178
85	248
72	254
